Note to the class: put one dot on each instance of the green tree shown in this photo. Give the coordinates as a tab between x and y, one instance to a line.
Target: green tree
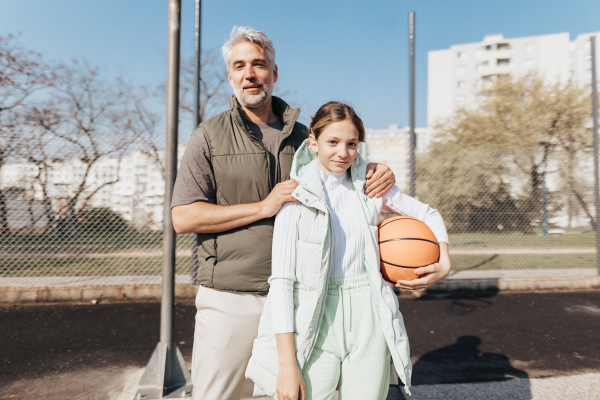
492	158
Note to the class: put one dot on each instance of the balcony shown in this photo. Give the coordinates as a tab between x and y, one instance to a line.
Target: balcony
495	54
495	70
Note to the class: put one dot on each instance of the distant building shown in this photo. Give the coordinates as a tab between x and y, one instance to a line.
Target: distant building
392	147
137	194
455	75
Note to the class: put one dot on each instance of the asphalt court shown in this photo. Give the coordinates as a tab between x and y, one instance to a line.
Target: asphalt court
59	351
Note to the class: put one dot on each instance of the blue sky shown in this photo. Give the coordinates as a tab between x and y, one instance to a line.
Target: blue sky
351	50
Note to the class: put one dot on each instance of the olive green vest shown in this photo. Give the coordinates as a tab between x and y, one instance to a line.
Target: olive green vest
240	259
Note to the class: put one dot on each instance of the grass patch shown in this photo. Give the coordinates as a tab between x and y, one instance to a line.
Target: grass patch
87	242
87	266
479	262
516	240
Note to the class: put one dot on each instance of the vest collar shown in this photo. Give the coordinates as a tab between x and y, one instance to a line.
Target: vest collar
305	170
281	109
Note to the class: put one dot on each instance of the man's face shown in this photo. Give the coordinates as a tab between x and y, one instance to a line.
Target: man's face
251	74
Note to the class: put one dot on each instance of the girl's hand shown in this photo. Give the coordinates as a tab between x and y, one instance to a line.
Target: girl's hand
290	385
380	179
431	274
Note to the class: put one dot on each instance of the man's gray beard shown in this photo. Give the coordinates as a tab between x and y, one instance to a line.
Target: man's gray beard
253	101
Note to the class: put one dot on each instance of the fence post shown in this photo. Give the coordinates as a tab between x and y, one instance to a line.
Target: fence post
413	137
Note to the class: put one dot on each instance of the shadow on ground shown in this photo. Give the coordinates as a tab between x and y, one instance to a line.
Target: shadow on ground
463	362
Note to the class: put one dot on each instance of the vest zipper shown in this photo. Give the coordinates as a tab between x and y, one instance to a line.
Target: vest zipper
262	145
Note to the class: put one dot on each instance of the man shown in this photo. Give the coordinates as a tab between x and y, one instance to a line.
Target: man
233	179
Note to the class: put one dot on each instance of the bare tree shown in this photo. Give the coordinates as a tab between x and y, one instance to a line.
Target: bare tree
22	72
214	84
83	120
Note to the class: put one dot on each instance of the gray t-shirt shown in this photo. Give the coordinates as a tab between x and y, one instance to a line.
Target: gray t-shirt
195	177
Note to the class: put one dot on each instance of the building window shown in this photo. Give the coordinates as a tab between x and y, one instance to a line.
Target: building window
588	73
503	62
460	84
489	47
460	70
587	58
503	46
486	63
462	55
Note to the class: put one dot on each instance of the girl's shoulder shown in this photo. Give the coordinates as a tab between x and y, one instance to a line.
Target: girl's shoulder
289	210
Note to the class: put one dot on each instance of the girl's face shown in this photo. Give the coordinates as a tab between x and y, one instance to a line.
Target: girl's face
336	146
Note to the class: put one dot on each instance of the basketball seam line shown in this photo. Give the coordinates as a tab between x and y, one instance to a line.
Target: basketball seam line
424	240
389	222
400	266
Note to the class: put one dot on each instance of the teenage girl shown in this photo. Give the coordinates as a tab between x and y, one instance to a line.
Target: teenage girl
331	321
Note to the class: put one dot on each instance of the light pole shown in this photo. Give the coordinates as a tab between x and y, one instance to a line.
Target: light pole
413	137
166	375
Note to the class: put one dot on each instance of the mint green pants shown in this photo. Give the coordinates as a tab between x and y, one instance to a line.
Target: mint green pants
350	353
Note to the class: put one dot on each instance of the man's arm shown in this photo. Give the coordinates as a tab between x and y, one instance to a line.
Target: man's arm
201	217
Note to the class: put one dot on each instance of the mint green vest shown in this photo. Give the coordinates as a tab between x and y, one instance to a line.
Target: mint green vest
312	274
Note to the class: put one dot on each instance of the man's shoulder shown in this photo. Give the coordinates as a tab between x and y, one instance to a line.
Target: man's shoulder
208	123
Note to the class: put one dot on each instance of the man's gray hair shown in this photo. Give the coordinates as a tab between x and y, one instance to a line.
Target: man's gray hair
240	34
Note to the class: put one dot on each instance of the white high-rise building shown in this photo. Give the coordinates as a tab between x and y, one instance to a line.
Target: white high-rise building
455	75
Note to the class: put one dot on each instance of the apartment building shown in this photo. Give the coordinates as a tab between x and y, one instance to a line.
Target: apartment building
132	186
455	75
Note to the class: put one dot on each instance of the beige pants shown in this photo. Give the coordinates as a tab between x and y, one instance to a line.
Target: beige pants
226	326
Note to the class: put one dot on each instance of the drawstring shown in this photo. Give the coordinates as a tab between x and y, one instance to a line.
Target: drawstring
344	310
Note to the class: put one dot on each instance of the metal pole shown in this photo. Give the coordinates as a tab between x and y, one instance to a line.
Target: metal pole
197	118
198	61
166	375
544	205
413	137
168	291
596	177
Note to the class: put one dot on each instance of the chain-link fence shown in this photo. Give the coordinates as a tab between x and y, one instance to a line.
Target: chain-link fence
512	213
503	218
82	183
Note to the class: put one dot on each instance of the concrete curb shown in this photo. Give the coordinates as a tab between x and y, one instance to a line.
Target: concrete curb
533	284
25	294
34	294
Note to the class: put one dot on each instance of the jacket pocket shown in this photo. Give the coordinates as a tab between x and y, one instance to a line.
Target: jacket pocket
308	263
304	308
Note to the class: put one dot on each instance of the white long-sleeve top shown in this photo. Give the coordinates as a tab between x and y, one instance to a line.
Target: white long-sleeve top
347	239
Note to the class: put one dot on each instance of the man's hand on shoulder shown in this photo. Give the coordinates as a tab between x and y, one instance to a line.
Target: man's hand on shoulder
380	179
281	193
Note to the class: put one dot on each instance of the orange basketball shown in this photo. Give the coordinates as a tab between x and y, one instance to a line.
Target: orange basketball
405	243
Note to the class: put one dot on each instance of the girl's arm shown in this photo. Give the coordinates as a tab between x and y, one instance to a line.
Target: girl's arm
290	385
285	235
396	202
